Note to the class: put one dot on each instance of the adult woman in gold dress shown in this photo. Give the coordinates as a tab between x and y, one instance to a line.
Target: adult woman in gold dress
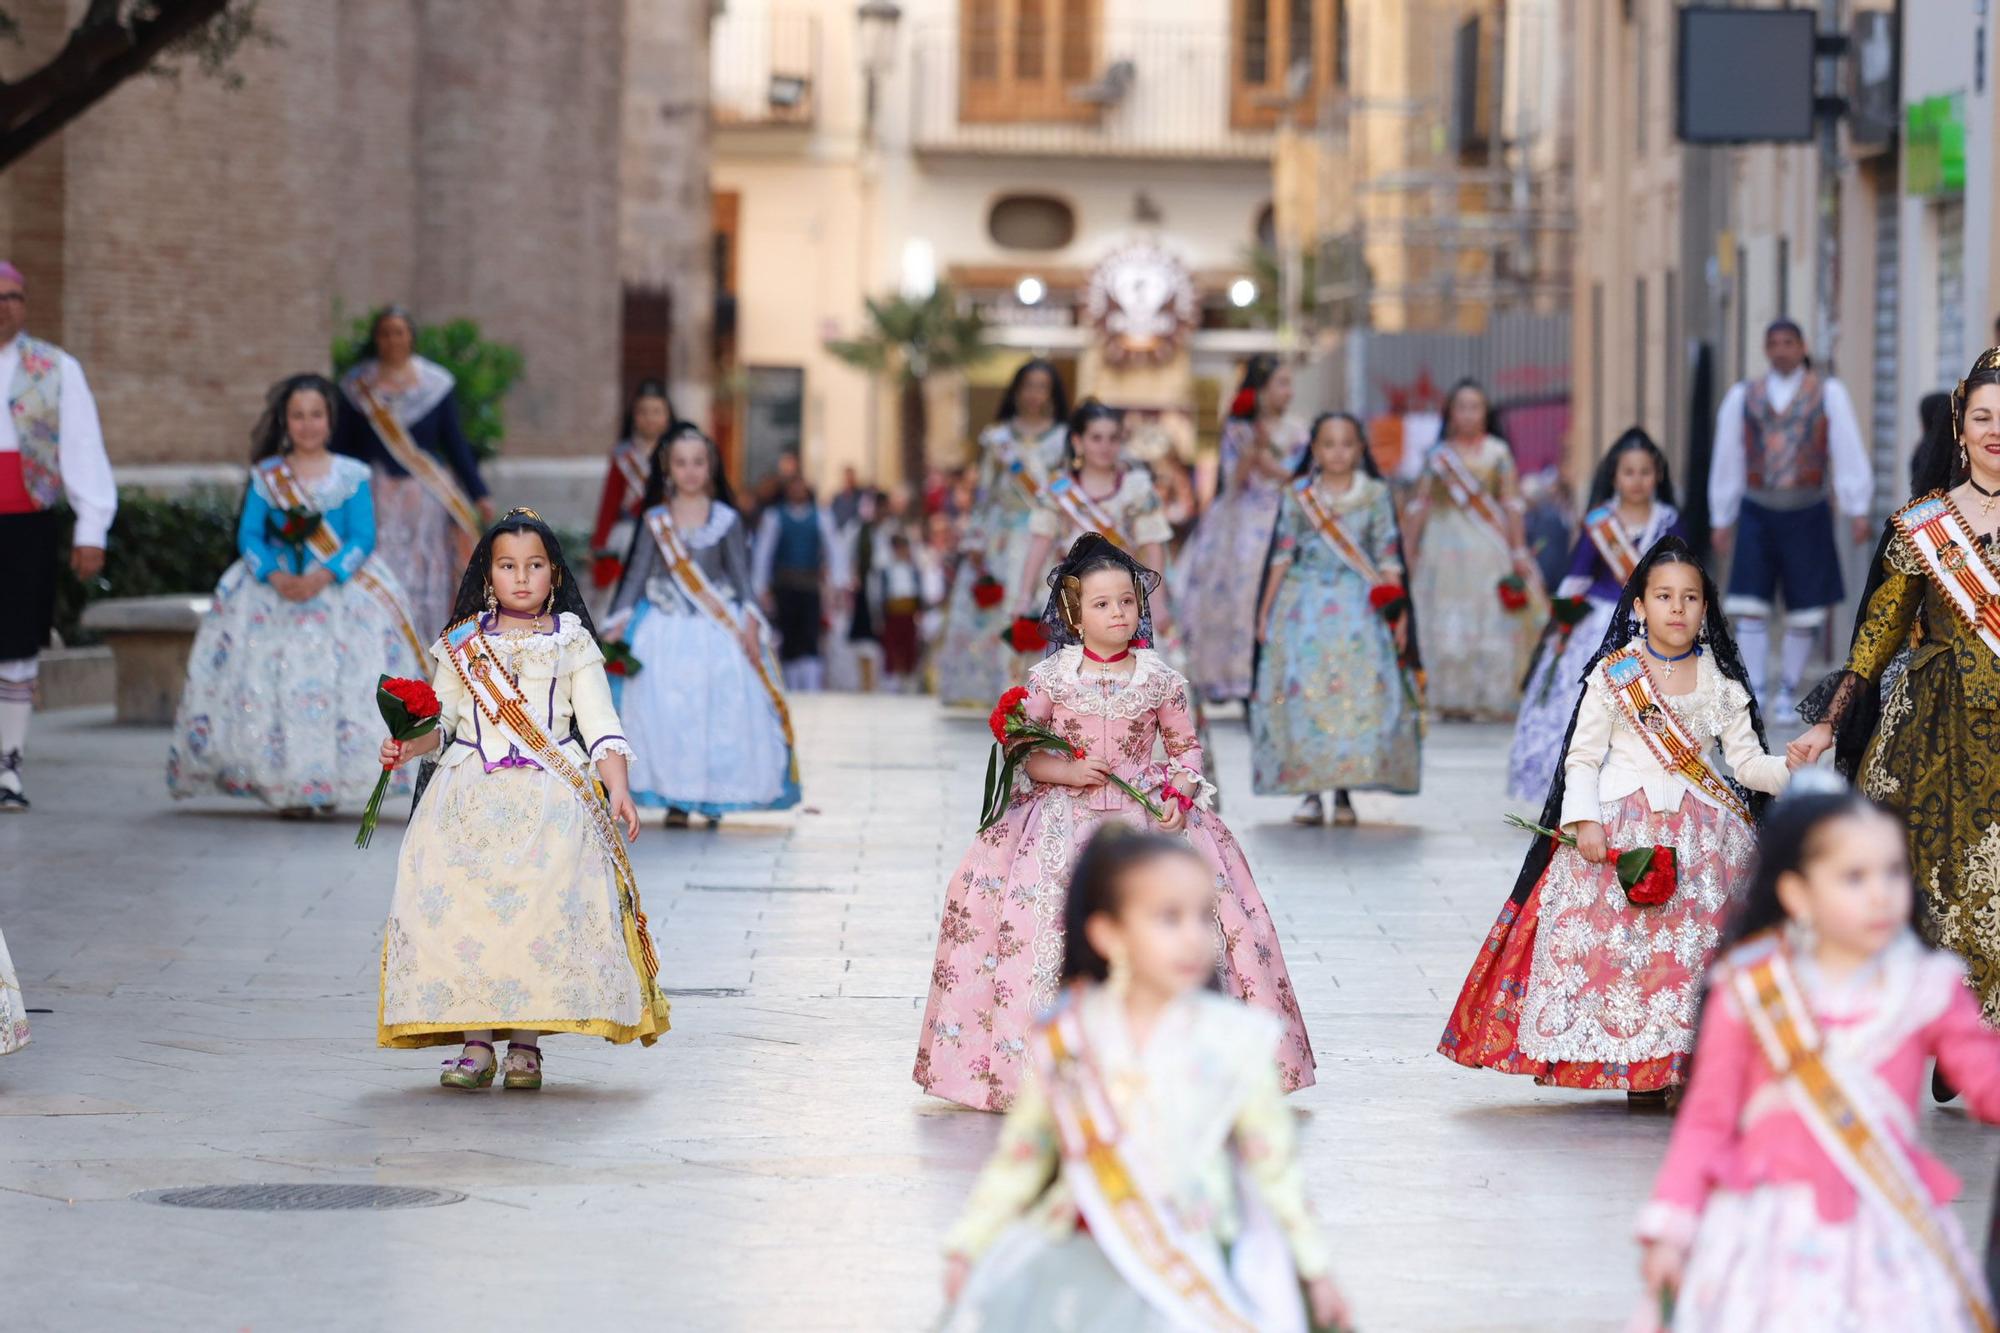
1927	742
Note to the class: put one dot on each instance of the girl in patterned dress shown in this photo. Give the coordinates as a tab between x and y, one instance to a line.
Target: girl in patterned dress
1336	705
1579	984
1000	944
515	909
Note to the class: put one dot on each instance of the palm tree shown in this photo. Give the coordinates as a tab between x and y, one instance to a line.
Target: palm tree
913	339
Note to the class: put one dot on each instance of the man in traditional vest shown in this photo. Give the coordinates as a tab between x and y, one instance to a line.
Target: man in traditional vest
51	448
1780	439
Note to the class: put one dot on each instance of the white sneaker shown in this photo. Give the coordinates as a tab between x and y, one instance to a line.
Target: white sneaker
1310	811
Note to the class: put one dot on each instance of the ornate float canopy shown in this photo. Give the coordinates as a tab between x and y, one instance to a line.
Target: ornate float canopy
1141	303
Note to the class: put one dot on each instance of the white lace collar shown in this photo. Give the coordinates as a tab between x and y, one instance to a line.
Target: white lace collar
336	488
1146	664
409	406
712	530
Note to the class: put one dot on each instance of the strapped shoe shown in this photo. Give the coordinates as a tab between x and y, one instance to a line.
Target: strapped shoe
13	800
469	1073
523	1074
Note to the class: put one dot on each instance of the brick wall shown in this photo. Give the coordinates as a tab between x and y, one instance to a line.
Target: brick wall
191	244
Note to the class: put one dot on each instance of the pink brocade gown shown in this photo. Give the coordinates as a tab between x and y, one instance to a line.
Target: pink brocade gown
1000	943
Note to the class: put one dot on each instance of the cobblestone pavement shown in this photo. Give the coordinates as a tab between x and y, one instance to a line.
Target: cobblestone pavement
211	972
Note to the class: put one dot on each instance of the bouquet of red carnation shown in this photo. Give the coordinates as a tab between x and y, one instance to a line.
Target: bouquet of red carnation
618	660
293	527
1565	614
1513	592
1025	635
1389	600
1647	874
1015	737
410	709
988	592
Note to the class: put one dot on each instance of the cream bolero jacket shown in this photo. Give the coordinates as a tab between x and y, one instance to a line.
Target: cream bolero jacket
562	677
1607	760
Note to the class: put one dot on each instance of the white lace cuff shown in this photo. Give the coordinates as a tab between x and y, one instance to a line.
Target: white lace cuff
1668	1222
604	745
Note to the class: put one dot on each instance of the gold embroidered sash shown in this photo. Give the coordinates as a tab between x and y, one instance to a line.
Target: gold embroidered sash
289	493
688	576
1466	492
414	459
500	702
1144	1239
1328	525
1084	513
1868	1155
1660	728
1957	566
1607	534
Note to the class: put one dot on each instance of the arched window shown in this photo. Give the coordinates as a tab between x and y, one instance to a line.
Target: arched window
1031	222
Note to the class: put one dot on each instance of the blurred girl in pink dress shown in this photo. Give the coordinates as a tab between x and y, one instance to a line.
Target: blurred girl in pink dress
1000	944
1794	1195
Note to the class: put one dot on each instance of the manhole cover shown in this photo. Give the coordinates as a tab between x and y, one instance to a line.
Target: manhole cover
300	1198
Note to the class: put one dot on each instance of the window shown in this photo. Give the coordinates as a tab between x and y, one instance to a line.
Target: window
1027	59
1281	50
1031	222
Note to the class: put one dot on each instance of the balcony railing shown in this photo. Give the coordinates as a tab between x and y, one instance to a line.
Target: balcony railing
764	68
1152	93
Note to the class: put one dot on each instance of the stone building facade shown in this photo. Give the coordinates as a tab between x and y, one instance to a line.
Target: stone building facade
191	243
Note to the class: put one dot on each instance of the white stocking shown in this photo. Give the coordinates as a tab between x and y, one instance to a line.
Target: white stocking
1753	640
1793	654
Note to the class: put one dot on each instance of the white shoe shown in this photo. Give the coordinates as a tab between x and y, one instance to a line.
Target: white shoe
1310	812
1784	708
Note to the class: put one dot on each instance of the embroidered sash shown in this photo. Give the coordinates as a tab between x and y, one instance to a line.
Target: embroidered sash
1179	1274
626	459
1084	513
688	576
1330	530
1956	565
1660	728
1607	534
414	459
289	493
1868	1155
34	403
1466	492
503	707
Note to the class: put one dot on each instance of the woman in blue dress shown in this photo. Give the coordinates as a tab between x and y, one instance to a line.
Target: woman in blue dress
1334	703
430	501
279	704
1631	507
705	710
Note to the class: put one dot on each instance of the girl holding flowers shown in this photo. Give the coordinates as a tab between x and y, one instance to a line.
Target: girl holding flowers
1579	984
515	907
1182	1205
279	704
1631	507
1000	944
1336	705
714	731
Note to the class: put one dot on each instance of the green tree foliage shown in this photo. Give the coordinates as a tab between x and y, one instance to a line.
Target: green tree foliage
156	546
911	340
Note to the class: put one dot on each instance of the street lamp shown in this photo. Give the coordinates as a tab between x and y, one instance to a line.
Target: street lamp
1242	293
875	25
1030	291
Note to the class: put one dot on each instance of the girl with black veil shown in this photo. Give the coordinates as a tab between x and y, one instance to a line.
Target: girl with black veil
515	909
1335	704
1631	507
999	951
1580	985
1926	744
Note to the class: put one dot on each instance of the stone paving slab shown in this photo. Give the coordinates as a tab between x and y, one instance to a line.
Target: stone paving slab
768	1165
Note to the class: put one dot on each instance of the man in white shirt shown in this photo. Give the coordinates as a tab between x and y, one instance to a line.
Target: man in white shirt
1780	439
51	449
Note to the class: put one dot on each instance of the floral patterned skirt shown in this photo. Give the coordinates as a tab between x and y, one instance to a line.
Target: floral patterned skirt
507	914
13	1009
973	667
1578	987
1475	649
279	703
416	541
1215	594
1000	945
1765	1261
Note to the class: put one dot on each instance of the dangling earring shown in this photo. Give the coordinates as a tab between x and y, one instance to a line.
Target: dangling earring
492	602
1800	936
550	604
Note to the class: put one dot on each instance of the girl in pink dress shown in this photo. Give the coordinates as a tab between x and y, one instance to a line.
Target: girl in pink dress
1794	1195
1000	944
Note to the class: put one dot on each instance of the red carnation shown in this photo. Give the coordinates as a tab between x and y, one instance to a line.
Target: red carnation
419	699
605	569
1513	593
997	723
1244	404
988	592
1649	875
1025	635
1388	600
410	710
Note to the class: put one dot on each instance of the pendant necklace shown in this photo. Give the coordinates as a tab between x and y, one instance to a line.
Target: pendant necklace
1671	662
1988	498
